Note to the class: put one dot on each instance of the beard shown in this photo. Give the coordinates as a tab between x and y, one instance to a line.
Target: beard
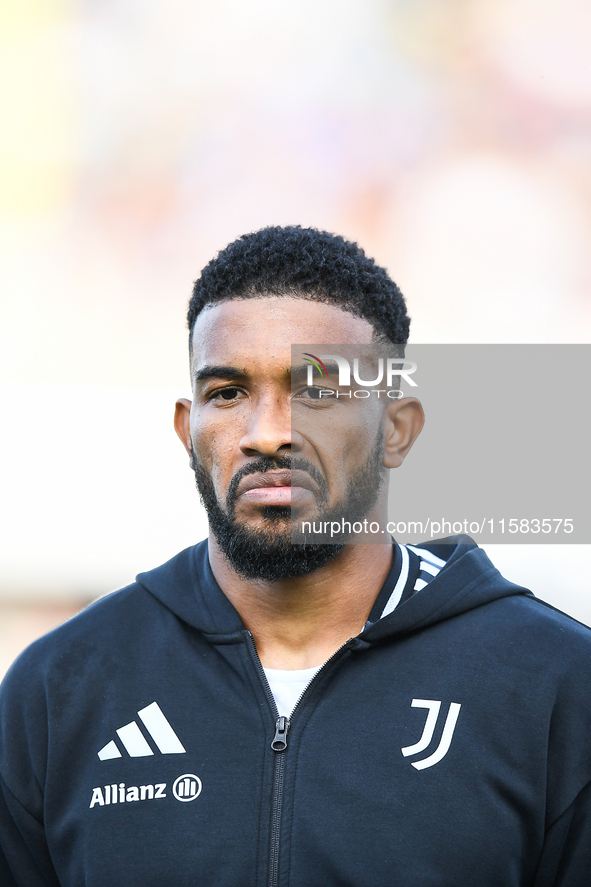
268	553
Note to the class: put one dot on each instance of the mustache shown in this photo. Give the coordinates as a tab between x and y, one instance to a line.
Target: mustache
265	463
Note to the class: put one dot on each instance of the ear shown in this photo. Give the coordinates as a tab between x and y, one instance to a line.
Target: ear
404	421
182	422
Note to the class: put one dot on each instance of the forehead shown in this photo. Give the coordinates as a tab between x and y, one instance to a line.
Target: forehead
239	330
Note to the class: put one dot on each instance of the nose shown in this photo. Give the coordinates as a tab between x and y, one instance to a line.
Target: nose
268	432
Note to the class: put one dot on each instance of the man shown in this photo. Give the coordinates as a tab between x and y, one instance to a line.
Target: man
262	712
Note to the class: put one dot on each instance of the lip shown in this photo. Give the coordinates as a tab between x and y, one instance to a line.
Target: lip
279	487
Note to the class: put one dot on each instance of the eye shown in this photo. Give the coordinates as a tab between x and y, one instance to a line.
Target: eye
227	394
314	392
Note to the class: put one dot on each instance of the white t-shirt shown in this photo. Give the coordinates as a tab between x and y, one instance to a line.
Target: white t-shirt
288	686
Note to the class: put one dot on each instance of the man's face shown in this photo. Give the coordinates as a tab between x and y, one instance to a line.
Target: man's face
263	447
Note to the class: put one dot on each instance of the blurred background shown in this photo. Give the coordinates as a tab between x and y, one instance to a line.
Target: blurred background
451	138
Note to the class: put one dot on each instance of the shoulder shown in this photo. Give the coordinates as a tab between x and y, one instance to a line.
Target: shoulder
104	624
539	616
539	640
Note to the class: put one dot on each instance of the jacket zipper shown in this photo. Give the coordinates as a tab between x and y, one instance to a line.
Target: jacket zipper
279	746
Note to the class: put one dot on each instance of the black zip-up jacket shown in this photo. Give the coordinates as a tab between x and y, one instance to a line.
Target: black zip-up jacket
447	745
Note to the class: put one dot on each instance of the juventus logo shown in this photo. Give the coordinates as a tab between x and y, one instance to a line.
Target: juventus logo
433	706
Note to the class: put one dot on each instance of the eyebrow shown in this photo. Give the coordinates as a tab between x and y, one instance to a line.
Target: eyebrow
301	371
229	372
219	372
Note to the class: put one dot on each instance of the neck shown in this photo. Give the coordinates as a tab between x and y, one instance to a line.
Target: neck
300	623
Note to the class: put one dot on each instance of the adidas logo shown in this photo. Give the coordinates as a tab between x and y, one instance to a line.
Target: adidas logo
134	742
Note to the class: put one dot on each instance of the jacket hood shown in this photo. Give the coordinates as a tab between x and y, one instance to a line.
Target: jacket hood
186	586
467	581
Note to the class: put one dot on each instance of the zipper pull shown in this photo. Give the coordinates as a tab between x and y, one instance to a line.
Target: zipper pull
280	739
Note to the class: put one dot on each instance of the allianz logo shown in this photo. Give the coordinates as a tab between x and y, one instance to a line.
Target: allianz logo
185	788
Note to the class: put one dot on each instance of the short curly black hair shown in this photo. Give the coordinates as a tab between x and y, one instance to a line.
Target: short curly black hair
303	262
